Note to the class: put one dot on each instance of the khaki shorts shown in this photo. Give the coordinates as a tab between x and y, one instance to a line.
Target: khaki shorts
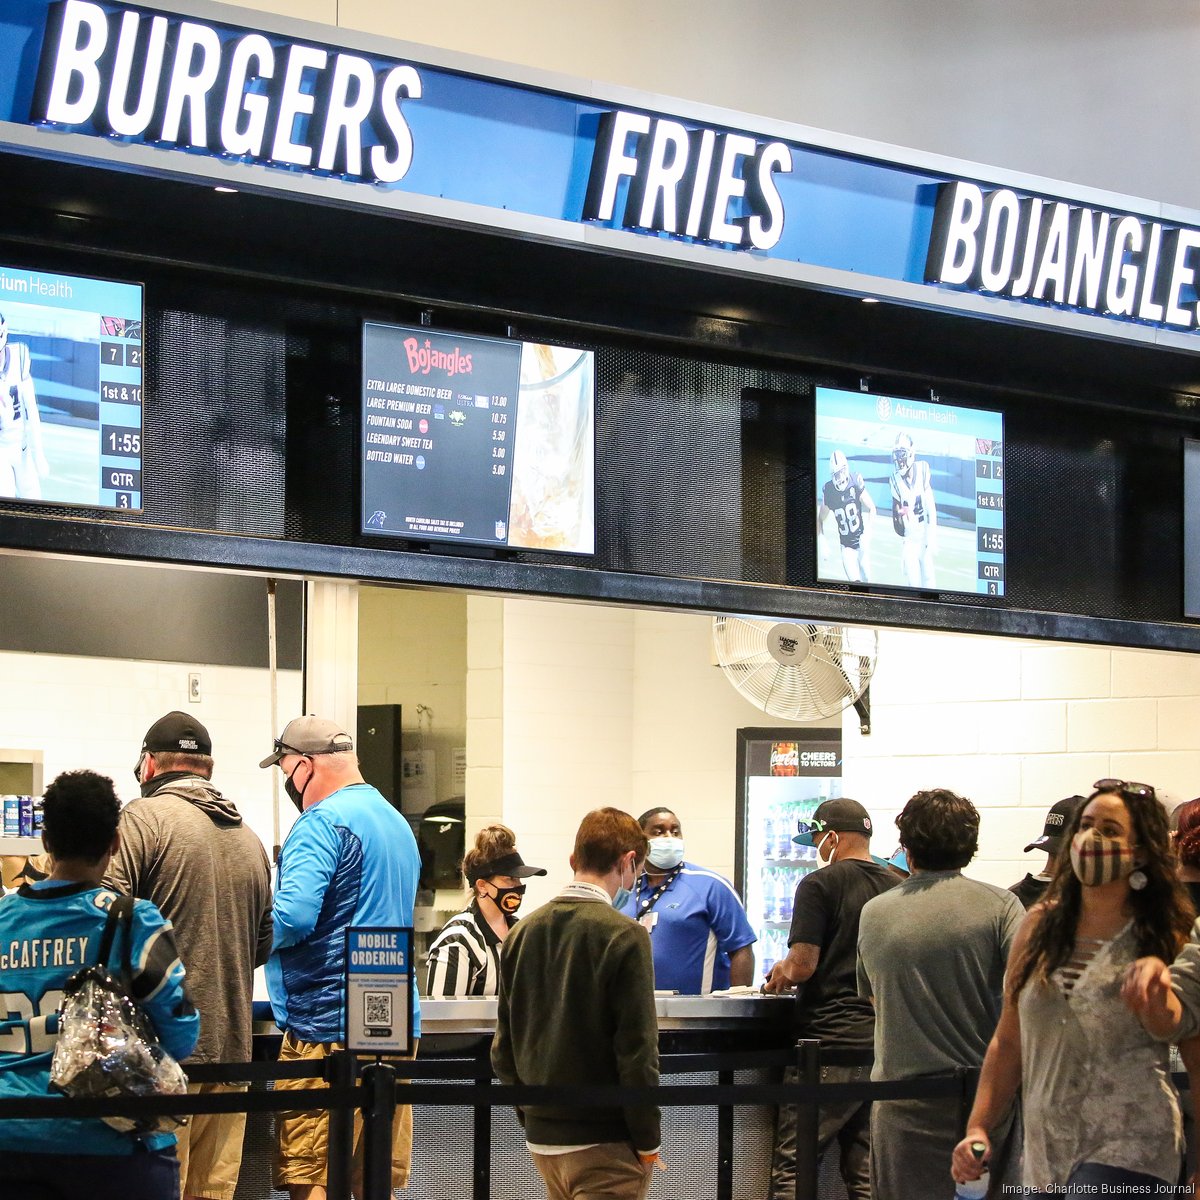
304	1136
210	1147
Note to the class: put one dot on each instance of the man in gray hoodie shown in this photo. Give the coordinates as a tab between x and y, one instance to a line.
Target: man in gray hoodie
184	846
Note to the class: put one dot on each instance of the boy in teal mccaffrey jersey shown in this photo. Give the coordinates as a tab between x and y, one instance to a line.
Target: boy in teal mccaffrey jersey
48	931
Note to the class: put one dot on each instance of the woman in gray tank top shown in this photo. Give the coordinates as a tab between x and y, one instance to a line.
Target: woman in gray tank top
1101	1114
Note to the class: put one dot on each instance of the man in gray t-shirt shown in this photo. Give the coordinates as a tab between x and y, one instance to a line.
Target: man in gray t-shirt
931	955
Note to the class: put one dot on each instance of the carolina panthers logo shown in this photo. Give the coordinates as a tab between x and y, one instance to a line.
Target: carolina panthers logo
883	406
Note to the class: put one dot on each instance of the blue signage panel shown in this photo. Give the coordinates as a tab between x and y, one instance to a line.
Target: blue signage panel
379	990
187	83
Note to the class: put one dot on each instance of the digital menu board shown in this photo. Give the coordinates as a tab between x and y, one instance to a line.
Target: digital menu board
482	441
71	370
910	493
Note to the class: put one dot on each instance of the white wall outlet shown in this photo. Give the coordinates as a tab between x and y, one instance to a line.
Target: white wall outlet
194	687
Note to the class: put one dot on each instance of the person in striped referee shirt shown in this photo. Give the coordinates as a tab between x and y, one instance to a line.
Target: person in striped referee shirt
464	959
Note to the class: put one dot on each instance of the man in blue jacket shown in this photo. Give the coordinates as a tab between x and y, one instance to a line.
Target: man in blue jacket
49	930
349	860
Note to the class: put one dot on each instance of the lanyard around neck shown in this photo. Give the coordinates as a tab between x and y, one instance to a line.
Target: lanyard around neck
645	905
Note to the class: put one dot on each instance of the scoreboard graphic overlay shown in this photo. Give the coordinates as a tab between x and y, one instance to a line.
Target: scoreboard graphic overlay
71	399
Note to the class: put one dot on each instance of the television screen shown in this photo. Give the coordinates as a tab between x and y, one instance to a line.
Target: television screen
910	493
1191	527
480	441
70	389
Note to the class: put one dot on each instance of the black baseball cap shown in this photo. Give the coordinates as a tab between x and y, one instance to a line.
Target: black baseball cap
841	815
511	864
1056	822
179	733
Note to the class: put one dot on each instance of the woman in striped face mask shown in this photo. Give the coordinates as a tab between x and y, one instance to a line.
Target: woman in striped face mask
1101	1113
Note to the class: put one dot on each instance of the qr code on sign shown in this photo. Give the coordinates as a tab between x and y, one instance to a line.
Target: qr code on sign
377	1008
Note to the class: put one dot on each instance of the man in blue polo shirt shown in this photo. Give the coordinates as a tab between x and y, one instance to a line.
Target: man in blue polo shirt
349	860
698	929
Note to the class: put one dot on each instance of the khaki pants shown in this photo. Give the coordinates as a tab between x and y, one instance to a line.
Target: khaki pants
304	1136
210	1147
611	1171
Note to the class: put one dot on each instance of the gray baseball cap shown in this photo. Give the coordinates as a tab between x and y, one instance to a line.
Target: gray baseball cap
309	735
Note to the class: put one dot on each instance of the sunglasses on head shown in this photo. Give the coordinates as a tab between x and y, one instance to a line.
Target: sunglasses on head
1124	786
814	826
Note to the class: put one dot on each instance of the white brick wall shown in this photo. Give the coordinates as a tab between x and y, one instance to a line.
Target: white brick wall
92	712
412	650
612	706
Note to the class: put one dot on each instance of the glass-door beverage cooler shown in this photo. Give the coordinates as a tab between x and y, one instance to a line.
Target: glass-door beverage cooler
782	775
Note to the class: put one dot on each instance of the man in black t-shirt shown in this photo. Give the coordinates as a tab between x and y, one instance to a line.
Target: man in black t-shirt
822	962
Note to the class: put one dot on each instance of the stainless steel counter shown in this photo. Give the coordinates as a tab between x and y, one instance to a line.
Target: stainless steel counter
478	1015
473	1014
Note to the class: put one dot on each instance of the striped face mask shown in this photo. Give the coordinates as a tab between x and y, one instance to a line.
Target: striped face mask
1097	859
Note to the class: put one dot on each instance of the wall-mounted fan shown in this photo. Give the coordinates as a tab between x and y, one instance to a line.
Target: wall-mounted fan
796	669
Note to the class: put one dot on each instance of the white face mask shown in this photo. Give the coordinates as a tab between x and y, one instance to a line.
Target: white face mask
665	852
827	862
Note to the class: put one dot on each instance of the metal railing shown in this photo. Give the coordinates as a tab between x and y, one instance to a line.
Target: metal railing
374	1088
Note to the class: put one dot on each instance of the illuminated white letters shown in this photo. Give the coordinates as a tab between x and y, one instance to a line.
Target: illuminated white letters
74	89
120	120
617	164
668	162
995	272
196	45
766	233
296	103
1091	236
1068	255
692	183
237	138
399	81
960	234
1186	240
179	82
1053	255
340	145
1122	274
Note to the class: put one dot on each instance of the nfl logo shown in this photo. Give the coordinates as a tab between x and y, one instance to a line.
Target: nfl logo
501	530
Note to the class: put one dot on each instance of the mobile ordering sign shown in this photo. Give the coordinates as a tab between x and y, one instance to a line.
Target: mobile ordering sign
379	990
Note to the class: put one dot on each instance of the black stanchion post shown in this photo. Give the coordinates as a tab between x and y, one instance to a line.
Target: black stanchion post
481	1166
339	1073
725	1143
808	1064
379	1115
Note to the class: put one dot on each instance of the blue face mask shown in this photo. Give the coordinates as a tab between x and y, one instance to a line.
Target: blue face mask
665	852
622	897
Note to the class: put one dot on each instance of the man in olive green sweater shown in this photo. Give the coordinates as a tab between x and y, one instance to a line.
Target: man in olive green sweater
577	1007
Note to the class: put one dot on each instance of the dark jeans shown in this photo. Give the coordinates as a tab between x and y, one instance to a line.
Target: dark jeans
849	1123
1110	1182
142	1175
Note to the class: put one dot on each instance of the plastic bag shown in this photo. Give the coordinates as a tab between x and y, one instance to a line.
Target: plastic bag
106	1046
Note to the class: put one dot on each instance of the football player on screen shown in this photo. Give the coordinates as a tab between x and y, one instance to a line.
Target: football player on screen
22	461
914	513
846	496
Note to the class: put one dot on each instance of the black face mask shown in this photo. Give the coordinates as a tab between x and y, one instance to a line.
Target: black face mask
508	899
295	794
